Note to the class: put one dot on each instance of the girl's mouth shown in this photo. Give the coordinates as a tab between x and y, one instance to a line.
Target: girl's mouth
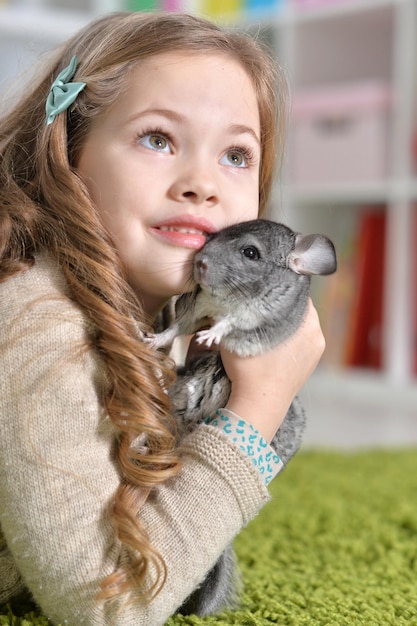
185	231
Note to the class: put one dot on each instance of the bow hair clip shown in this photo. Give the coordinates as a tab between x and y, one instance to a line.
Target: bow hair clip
63	93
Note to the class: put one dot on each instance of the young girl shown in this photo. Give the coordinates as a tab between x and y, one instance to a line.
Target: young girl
145	133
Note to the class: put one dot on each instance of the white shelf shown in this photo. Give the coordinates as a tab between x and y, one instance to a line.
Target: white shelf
365	388
355	192
351	42
17	22
351	411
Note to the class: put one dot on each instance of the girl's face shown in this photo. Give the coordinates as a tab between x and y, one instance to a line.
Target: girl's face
175	158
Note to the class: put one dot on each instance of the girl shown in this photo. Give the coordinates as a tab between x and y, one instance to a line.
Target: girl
145	133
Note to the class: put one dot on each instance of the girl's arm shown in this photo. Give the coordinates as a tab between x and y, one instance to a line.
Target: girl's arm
264	386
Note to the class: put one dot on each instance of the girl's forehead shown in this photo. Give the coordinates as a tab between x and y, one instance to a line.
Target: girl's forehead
194	62
186	74
203	89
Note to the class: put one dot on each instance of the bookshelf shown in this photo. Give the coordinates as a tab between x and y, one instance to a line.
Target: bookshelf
341	42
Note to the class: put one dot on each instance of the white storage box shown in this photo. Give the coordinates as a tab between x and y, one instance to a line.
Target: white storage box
340	134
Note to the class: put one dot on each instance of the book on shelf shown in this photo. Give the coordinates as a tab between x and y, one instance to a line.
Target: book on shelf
186	6
350	303
333	295
364	345
221	8
262	8
142	5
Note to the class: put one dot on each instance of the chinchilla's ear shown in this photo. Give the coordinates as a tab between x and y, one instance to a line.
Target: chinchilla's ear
312	254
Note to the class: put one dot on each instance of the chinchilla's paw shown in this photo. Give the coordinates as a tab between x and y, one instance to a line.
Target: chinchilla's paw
208	337
151	339
214	334
160	340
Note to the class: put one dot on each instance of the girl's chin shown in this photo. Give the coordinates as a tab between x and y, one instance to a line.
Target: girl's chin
153	303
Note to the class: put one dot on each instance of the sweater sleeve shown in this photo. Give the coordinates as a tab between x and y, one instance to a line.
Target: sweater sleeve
59	477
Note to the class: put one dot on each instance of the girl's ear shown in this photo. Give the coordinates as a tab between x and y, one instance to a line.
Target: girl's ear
312	254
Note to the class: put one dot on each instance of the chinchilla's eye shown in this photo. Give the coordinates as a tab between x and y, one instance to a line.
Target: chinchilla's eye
250	252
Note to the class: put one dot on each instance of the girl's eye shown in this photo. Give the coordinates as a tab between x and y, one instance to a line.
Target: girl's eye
155	141
238	157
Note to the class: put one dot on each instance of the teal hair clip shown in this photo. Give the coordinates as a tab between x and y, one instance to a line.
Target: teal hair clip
63	92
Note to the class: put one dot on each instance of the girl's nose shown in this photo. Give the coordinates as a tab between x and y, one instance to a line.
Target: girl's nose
196	186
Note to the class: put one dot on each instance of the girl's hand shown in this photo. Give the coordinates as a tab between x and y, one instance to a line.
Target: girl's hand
264	386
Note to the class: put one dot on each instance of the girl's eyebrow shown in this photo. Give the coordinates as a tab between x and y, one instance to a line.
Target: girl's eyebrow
234	129
169	113
239	129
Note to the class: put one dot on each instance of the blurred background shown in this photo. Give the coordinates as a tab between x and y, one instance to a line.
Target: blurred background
350	172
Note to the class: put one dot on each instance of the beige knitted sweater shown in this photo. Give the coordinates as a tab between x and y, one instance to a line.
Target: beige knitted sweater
58	476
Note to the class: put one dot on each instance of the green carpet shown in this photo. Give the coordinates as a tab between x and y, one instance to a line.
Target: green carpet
336	546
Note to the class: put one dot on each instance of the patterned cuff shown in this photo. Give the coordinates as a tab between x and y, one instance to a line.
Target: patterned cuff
249	440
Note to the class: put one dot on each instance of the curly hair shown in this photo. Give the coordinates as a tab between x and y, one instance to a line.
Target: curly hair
45	206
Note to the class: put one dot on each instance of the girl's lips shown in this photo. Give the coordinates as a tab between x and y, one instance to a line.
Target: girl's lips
185	231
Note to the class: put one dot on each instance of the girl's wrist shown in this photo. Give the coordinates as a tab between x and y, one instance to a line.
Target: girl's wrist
266	416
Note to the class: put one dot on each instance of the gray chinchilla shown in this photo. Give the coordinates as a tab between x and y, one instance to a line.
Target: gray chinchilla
253	281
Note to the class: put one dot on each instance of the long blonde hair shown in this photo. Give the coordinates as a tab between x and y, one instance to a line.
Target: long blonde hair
45	206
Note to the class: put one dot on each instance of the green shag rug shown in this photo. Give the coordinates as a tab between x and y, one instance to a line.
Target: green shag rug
336	546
